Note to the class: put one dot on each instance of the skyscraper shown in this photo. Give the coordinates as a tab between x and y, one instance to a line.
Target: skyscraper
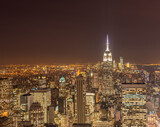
107	91
62	96
107	87
62	89
114	64
121	63
134	105
43	96
36	114
80	100
6	101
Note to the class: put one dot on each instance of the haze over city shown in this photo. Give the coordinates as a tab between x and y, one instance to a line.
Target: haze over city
62	32
80	63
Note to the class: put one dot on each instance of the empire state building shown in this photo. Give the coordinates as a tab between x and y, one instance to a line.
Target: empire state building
107	87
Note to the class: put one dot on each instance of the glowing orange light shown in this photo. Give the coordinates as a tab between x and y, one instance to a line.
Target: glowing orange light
78	72
5	114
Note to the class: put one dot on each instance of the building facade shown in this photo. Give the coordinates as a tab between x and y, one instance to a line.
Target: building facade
6	101
133	105
80	100
43	96
107	87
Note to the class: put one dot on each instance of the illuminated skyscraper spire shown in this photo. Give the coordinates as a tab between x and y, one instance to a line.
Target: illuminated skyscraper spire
107	54
107	44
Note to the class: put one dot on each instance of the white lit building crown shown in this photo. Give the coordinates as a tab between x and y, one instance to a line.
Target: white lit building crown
107	54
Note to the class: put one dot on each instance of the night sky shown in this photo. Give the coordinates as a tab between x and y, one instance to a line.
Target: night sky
74	31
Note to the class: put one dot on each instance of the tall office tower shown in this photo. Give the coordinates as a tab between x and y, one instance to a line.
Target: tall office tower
95	80
6	101
62	105
153	89
16	104
54	96
157	77
156	96
80	100
62	89
36	114
43	96
128	65
134	105
25	102
51	114
62	96
89	82
107	87
121	63
90	103
114	64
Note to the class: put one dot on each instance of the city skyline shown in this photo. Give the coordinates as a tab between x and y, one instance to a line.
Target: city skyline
75	32
80	63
